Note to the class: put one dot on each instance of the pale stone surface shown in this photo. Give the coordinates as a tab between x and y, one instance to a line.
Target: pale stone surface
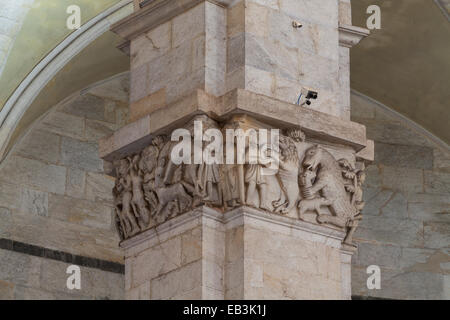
87	106
75	183
80	155
237	256
133	137
34	202
405	227
63	124
40	145
34	173
53	194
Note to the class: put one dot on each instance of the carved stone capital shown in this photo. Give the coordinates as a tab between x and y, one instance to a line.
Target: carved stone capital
301	180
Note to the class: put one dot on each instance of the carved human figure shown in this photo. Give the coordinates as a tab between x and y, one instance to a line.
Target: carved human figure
123	198
229	185
148	163
288	176
138	201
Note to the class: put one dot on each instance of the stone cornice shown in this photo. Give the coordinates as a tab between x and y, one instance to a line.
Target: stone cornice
154	14
236	217
350	36
317	125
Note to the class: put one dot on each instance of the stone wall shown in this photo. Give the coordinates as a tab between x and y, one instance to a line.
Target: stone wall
406	225
54	196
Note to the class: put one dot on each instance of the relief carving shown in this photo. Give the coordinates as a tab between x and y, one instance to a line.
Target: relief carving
150	188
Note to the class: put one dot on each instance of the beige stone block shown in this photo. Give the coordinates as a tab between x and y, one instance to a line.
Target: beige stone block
404	179
98	129
156	261
345	12
272	4
116	89
236	19
150	45
188	25
10	195
138	82
259	81
83	212
147	105
34	202
178	282
99	187
63	124
191	246
6	290
40	145
75	183
80	154
256	19
324	12
35	174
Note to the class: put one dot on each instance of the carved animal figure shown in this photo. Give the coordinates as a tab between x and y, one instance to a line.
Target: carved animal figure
171	197
288	176
330	183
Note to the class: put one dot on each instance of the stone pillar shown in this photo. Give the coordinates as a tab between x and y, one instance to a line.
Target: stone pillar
239	230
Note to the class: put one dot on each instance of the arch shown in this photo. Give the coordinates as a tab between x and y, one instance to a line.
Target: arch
18	103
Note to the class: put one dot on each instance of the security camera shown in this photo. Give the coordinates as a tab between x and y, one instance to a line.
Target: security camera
306	95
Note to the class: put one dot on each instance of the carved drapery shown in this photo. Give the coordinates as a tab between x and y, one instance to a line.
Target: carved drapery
309	184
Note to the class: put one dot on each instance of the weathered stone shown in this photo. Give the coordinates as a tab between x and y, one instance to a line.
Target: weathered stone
147	105
395	207
380	255
430	211
403	156
373	176
177	282
437	234
81	155
394	133
40	145
34	202
138	83
236	52
157	261
415	258
324	12
403	179
375	204
437	182
9	195
99	187
63	124
394	231
83	212
115	89
151	45
75	184
95	284
86	106
35	174
98	129
441	159
6	290
188	25
15	267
